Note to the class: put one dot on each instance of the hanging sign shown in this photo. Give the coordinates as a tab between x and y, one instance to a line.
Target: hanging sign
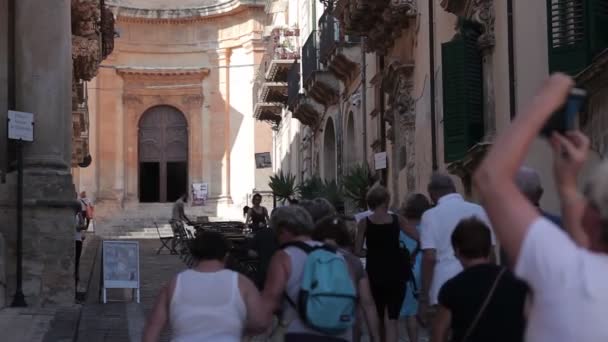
20	126
199	193
380	160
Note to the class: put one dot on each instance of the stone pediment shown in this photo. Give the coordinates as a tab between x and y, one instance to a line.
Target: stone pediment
176	9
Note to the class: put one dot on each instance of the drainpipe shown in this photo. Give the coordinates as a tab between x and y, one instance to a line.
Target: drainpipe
510	34
432	83
382	125
364	97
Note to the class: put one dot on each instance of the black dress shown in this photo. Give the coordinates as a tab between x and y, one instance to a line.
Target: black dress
385	267
258	220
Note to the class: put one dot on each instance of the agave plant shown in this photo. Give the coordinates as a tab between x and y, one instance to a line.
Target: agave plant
356	183
283	186
312	188
332	191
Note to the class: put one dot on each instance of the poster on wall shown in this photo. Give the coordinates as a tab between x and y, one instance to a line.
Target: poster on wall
120	267
263	160
199	194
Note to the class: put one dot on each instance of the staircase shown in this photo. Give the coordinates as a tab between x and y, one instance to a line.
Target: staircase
136	221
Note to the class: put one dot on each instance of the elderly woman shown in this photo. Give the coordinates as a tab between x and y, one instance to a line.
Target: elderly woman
292	224
568	274
207	302
386	269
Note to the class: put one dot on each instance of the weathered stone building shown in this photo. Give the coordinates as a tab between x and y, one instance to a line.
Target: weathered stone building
168	109
437	80
155	97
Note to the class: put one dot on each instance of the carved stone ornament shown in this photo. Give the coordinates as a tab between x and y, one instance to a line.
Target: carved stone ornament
482	12
86	54
479	11
398	84
131	99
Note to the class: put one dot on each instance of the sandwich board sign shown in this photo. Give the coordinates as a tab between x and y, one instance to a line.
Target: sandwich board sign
120	268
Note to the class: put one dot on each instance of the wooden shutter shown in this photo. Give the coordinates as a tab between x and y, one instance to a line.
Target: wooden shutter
578	31
462	94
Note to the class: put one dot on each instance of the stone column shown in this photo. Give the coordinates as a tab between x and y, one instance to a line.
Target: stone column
43	58
224	70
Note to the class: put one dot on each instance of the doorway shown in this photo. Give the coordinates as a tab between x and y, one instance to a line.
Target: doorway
163	155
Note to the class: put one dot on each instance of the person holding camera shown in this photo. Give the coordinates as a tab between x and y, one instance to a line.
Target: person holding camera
566	270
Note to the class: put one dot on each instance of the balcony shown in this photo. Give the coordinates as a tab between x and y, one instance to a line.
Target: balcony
303	108
382	21
284	51
320	84
339	52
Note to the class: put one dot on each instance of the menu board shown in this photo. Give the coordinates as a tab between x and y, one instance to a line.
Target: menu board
120	264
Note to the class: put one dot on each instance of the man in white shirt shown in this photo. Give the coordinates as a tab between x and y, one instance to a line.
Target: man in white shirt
437	224
566	270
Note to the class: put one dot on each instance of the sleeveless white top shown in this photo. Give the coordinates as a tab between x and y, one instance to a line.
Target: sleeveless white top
207	306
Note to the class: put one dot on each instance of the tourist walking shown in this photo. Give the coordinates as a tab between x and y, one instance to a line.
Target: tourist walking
567	271
528	182
332	230
257	216
281	293
384	259
207	303
485	302
437	224
87	209
415	205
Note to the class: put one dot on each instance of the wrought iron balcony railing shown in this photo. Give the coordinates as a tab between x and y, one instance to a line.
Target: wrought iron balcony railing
329	36
310	56
293	85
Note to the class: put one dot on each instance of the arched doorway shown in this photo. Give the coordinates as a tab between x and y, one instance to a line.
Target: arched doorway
329	151
163	155
351	149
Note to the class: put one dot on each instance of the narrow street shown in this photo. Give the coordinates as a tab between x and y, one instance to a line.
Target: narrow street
121	319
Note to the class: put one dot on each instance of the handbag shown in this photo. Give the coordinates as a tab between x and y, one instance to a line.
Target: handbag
483	306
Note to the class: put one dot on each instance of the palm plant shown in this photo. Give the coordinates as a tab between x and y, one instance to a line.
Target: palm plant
311	188
283	186
333	192
356	183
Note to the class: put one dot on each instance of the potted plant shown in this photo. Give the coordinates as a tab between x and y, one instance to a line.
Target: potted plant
311	188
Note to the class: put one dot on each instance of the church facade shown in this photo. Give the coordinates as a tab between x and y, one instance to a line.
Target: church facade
167	109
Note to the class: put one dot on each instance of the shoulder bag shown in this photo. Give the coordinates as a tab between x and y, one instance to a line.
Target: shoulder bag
483	307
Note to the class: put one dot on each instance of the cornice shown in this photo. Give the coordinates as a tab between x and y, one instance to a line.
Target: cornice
152	71
212	9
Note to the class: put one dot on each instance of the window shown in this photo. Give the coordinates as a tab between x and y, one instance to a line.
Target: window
462	92
578	31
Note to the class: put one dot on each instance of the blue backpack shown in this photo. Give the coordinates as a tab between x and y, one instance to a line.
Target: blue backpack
327	300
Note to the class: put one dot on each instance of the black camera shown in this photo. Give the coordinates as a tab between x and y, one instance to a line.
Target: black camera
564	120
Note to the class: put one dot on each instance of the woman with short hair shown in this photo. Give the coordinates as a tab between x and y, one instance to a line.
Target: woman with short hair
385	265
207	302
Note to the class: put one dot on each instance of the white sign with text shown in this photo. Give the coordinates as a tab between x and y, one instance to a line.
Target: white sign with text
380	161
20	126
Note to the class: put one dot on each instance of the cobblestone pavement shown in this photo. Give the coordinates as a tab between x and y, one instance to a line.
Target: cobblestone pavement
122	320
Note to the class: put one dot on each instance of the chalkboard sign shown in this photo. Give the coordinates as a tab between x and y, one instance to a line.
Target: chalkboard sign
120	266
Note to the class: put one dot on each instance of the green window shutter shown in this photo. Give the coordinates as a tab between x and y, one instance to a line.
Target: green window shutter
462	94
598	23
578	31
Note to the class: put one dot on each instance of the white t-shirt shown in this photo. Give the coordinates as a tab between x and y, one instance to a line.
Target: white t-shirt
569	283
436	228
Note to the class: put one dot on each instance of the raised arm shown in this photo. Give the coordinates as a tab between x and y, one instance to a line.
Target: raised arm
570	153
509	211
361	230
248	219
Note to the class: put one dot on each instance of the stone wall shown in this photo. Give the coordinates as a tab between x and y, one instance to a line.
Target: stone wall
2	272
